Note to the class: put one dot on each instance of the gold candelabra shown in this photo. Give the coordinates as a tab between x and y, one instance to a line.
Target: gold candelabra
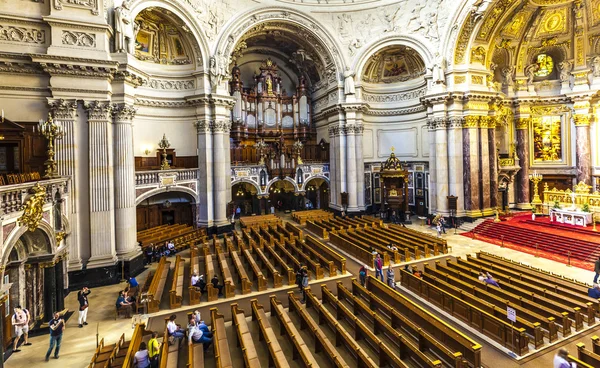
298	148
52	131
535	178
164	144
261	146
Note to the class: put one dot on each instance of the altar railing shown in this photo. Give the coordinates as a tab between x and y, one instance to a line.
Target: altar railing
579	196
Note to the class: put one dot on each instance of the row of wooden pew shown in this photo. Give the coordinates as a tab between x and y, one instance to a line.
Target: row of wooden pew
302	217
269	219
120	354
182	235
548	308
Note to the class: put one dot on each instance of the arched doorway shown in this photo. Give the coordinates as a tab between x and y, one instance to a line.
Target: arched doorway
317	194
245	196
282	197
166	208
35	279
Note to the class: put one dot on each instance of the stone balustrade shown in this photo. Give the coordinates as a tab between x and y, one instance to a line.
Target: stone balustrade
13	196
154	176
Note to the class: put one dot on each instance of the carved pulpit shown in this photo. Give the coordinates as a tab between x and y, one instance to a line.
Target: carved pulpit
395	186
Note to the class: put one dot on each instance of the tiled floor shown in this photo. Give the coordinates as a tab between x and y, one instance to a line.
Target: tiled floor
79	344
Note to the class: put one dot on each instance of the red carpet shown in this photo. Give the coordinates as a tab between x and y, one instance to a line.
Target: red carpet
553	241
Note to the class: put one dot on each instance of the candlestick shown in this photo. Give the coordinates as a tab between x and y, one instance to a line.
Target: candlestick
52	131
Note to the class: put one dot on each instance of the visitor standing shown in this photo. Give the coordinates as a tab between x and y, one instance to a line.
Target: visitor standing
391	280
362	275
57	327
560	359
20	321
82	297
304	283
597	270
141	359
379	267
153	350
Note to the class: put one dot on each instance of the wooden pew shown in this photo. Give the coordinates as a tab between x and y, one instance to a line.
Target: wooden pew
195	355
312	265
176	292
209	272
298	233
266	333
194	292
134	344
220	343
157	285
244	337
322	343
286	255
355	237
280	229
342	337
318	257
586	356
385	354
228	284
261	281
417	321
299	348
277	279
271	253
243	279
493	327
331	254
362	255
319	230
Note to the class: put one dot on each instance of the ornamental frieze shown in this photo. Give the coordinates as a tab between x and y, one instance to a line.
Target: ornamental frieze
170	85
404	96
22	34
91	5
81	39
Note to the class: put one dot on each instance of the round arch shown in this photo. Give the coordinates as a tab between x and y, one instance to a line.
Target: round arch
156	191
18	231
403	40
238	26
314	177
239	181
453	29
276	179
181	9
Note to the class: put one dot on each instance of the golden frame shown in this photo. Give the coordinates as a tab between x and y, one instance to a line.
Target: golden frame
565	139
149	37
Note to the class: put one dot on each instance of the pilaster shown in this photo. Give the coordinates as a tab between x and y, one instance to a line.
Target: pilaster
441	169
522	183
484	165
205	213
471	165
124	184
493	162
101	178
455	162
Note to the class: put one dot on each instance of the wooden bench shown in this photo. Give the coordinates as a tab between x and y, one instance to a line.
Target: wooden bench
293	229
342	337
413	319
270	219
283	265
493	327
220	343
286	255
243	279
261	281
589	357
299	348
176	292
302	216
134	345
322	343
331	254
195	355
385	354
157	286
194	292
244	337
312	265
318	257
319	230
228	284
277	279
361	254
266	333
280	229
209	271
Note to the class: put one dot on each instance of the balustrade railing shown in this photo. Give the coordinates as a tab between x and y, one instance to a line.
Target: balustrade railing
13	196
153	176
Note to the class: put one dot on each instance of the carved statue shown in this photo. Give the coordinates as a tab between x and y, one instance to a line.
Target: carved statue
33	209
269	84
565	68
530	71
390	18
596	66
432	26
438	70
124	29
349	82
490	77
508	74
354	45
214	74
479	8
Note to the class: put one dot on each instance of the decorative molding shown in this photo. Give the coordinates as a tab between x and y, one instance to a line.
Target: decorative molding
22	35
456	122
129	77
394	112
522	123
82	39
460	79
403	96
167	85
221	126
96	72
63	110
99	110
91	5
471	121
123	112
161	103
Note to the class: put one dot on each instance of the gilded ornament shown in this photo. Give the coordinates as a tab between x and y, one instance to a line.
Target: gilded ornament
507	162
60	236
471	121
582	120
33	209
478	55
484	122
477	79
459	79
523	123
553	22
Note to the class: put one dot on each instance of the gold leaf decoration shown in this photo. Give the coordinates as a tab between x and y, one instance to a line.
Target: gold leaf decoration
33	209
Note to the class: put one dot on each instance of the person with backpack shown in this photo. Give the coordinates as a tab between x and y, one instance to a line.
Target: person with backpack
153	350
304	283
20	320
379	267
362	275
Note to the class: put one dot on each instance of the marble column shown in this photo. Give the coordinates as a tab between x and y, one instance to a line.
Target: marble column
484	165
493	162
49	289
205	207
351	168
221	175
471	165
360	167
432	166
101	181
333	180
124	171
522	183
455	162
583	149
67	154
441	165
60	286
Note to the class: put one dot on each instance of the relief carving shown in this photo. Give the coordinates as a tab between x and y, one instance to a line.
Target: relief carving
170	85
78	39
92	5
22	34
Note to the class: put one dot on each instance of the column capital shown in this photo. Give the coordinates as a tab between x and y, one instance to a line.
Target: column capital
335	130
221	126
63	109
203	126
582	120
456	122
437	123
99	110
471	121
522	123
123	113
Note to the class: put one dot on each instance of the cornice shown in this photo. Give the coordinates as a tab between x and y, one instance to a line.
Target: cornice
161	103
393	112
70	23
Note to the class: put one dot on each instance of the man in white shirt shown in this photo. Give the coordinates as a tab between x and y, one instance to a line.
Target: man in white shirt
20	321
195	279
197	335
560	359
171	247
174	330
